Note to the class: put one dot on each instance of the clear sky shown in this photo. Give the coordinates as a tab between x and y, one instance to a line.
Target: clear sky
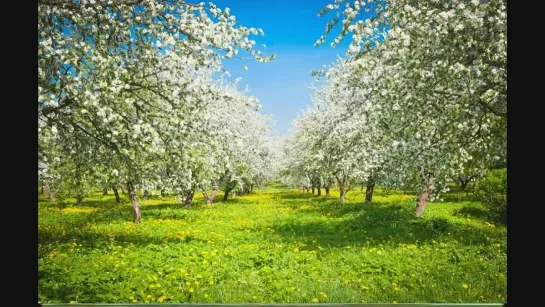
291	29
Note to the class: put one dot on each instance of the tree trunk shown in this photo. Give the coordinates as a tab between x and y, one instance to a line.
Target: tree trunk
104	191
252	188
137	214
210	197
226	194
79	200
369	191
343	193
425	190
162	192
116	193
46	189
312	189
188	200
146	194
327	187
319	190
122	191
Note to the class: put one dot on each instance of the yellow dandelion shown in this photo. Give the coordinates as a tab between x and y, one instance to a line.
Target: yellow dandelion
161	299
149	296
465	286
315	300
191	290
296	250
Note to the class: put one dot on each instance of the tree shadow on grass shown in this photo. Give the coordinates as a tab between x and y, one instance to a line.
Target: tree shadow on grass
98	239
377	223
472	212
300	195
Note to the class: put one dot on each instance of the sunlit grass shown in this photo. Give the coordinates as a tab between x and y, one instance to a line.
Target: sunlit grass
275	245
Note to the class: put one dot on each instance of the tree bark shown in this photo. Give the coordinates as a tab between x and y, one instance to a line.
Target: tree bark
312	189
209	197
79	200
327	187
146	194
162	192
116	193
343	193
427	186
369	191
252	188
464	182
188	199
46	189
137	214
104	191
319	188
226	194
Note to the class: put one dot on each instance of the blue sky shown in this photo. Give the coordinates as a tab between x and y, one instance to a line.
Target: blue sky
291	29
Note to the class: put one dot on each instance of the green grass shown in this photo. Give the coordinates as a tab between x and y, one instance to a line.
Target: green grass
275	245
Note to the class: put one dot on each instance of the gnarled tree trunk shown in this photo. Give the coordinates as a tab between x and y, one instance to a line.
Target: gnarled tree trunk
209	197
104	191
46	189
146	194
188	198
226	194
116	193
137	214
369	191
426	188
342	192
342	189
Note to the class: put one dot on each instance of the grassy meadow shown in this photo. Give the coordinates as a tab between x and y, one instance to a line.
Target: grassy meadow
276	245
